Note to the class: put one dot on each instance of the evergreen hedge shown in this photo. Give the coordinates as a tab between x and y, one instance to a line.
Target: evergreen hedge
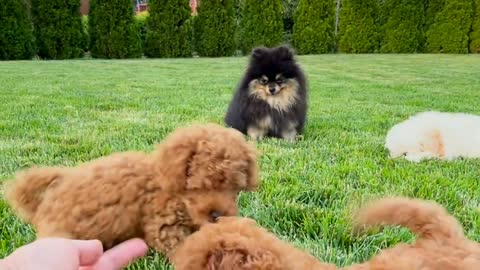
58	28
402	31
214	28
475	34
169	29
113	32
358	29
449	32
261	24
314	26
16	31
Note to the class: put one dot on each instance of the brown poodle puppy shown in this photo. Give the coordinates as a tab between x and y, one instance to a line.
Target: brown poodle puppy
237	243
192	178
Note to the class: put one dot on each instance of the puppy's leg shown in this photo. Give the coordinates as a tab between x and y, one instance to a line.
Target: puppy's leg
419	156
289	134
256	133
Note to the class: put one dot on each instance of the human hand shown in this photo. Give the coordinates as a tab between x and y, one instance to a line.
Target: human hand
66	254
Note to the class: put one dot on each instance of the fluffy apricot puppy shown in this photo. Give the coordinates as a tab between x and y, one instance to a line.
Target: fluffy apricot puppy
239	243
192	178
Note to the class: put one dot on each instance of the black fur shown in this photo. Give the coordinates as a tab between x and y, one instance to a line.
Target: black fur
245	109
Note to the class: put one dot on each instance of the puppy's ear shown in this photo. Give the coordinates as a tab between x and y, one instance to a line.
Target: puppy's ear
285	53
259	53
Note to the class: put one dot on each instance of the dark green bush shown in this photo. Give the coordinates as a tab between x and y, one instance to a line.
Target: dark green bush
475	34
314	26
58	28
261	24
113	32
358	29
141	21
402	31
432	7
449	32
289	7
86	42
169	29
214	28
16	31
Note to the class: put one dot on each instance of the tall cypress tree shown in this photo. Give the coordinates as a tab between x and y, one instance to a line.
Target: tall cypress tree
113	32
402	31
358	29
475	34
169	29
214	28
58	28
314	26
449	32
261	24
16	31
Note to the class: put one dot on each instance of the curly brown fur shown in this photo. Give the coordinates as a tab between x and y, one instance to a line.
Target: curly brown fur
441	243
193	177
239	243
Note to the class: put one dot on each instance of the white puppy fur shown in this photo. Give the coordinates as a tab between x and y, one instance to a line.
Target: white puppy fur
435	134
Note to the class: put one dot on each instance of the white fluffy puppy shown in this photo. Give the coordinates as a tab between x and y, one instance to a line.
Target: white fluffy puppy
435	134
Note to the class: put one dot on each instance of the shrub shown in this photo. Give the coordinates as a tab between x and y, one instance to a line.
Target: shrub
432	7
261	24
449	32
141	22
214	28
475	34
358	29
169	29
314	26
58	28
402	31
16	31
86	41
289	7
113	32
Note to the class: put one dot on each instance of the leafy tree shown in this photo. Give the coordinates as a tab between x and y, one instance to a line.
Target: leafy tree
402	31
314	26
169	29
358	29
58	28
475	34
113	31
214	28
16	31
449	32
261	24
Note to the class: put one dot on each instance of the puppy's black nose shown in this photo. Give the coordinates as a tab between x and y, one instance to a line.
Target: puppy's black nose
214	215
272	90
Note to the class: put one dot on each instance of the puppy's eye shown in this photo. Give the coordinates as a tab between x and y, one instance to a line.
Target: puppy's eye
263	81
214	215
280	81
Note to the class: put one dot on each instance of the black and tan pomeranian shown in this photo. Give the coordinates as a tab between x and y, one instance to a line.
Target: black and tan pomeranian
271	99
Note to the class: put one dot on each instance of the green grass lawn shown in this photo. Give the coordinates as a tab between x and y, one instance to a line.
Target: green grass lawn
66	112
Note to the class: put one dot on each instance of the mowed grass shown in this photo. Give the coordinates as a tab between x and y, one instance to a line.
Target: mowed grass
67	112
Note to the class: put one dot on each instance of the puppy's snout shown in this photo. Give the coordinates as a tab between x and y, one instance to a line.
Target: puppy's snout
214	215
271	89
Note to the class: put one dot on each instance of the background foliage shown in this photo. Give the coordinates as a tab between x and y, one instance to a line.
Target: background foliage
169	29
358	29
314	26
261	24
58	28
16	31
113	32
214	28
